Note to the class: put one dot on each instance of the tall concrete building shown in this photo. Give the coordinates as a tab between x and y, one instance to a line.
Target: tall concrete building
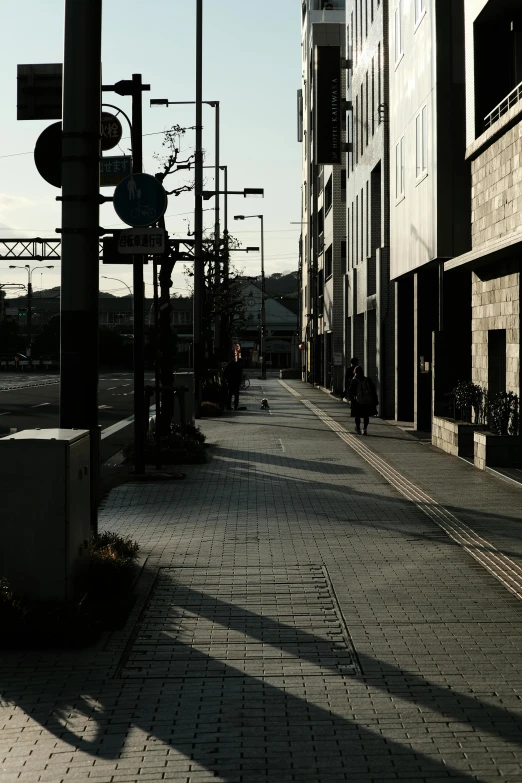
369	304
492	268
322	131
429	199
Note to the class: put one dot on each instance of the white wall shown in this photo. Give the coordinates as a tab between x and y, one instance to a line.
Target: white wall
413	219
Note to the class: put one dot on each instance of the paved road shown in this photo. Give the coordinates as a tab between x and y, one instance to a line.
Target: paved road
301	619
29	401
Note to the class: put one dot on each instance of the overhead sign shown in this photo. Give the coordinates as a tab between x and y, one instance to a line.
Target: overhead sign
327	132
140	200
11	310
114	169
141	241
111	131
39	92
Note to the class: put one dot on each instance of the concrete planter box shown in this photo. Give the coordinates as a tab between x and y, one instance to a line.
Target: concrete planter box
454	437
497	451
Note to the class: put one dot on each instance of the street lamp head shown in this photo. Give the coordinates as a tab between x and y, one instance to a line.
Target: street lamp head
49	267
252	250
254	192
239	217
159	102
12	266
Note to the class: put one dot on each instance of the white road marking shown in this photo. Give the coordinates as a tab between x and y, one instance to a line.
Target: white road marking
5	413
40	405
104	406
499	565
120	425
111	388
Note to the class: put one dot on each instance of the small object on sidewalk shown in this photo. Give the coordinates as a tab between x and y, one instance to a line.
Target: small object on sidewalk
264	404
358	430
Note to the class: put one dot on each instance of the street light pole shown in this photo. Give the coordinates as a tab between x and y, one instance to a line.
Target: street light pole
137	276
262	312
29	303
262	340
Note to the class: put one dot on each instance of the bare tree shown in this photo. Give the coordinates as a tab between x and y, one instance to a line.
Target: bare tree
170	164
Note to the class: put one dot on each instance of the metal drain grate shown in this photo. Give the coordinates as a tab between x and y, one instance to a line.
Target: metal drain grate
234	622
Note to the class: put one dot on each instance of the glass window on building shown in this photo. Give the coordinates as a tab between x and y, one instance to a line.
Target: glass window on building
420	10
399	169
399	43
421	138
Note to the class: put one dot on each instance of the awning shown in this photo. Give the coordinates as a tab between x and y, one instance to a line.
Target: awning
495	250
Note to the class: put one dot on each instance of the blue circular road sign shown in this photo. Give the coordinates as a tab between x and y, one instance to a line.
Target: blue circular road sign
140	200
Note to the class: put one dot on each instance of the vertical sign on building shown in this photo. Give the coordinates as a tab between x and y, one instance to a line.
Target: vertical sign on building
327	102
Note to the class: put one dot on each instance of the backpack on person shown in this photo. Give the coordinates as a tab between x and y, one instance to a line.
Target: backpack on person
364	394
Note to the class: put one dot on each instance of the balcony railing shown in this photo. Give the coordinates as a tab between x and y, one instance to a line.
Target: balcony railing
504	106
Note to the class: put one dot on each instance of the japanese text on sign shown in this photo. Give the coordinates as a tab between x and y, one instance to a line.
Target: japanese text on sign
141	241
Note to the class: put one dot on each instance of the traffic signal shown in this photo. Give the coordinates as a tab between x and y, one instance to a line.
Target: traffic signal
22	311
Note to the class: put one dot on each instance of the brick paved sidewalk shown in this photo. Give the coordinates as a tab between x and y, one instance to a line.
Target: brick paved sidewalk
299	620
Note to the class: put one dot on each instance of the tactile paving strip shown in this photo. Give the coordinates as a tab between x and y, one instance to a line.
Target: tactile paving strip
238	622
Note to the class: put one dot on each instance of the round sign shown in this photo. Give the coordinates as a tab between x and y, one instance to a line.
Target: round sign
48	154
111	131
140	200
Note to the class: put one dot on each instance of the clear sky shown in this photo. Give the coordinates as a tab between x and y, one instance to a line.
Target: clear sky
251	65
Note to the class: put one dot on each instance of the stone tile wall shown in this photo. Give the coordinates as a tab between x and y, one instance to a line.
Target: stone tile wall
495	304
496	190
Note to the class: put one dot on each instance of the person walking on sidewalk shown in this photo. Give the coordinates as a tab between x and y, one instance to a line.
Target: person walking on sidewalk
233	375
349	375
364	400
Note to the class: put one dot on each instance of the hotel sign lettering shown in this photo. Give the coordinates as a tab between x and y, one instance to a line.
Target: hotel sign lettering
328	146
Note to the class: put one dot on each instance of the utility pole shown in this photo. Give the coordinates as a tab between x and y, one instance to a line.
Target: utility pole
135	88
262	335
137	274
199	278
29	319
80	228
217	243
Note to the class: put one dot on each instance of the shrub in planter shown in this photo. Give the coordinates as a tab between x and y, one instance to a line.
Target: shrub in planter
504	413
469	397
124	547
103	587
189	431
213	390
32	624
210	409
182	445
